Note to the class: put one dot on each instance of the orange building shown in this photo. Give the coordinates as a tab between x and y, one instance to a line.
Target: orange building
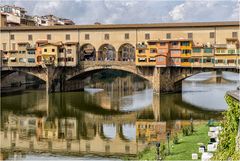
39	51
163	53
175	53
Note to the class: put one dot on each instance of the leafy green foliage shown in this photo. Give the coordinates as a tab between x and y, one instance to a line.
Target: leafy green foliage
227	147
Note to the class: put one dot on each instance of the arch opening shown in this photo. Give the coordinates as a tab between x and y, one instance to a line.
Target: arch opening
106	52
126	52
87	52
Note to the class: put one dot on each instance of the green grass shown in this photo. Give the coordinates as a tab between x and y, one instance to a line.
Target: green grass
182	151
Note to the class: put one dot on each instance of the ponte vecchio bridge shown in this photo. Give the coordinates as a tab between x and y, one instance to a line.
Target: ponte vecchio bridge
164	54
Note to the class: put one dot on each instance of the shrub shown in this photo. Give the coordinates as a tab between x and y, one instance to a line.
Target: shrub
175	139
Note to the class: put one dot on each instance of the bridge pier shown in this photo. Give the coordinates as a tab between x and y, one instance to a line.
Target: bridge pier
164	81
55	79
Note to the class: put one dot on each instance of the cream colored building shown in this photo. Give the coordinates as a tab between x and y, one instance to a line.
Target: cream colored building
116	36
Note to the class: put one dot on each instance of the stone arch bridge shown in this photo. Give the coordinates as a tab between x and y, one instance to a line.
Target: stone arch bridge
164	79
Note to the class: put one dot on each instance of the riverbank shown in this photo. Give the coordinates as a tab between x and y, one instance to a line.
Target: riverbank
186	146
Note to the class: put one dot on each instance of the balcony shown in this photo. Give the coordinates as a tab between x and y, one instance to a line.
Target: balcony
141	46
220	46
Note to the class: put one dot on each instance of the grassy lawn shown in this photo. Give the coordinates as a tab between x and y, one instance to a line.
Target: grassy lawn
187	145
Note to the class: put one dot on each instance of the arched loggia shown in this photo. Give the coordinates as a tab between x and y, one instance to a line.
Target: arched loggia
106	52
87	52
126	52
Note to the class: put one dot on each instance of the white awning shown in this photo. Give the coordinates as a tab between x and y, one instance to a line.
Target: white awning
142	58
12	58
4	58
152	58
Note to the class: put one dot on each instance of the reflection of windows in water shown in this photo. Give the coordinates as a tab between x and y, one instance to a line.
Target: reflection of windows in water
107	148
127	149
61	135
49	145
87	147
32	122
5	134
68	145
31	145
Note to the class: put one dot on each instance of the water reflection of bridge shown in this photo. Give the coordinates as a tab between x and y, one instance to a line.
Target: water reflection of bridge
70	136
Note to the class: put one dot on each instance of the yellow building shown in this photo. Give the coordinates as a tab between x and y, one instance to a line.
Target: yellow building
146	54
186	52
50	53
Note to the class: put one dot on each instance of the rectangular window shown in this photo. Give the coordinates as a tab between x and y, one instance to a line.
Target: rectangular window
208	50
212	35
4	46
126	36
153	50
186	51
60	50
13	46
69	51
67	36
231	51
53	50
21	60
87	37
185	43
161	59
45	50
168	35
190	35
234	34
12	37
160	51
162	43
142	59
30	37
106	36
197	50
49	37
31	52
141	51
175	51
174	43
31	60
147	36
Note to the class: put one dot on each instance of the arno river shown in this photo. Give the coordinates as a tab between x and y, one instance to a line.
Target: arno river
109	119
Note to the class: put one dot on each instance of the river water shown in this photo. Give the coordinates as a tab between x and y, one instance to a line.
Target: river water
107	120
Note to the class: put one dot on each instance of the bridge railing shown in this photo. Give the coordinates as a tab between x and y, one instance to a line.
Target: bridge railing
106	63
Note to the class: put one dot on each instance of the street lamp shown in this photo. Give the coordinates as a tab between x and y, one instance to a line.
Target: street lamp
191	120
168	138
158	150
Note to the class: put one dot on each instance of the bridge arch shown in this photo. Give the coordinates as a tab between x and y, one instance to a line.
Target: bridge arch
127	132
87	52
89	68
108	131
126	52
39	73
106	52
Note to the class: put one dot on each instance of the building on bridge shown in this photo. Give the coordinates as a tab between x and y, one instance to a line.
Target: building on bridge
167	44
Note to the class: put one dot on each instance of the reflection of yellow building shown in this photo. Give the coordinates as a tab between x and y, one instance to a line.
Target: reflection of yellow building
50	128
150	130
68	128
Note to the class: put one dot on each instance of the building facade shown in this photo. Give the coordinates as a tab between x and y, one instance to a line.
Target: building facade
210	44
